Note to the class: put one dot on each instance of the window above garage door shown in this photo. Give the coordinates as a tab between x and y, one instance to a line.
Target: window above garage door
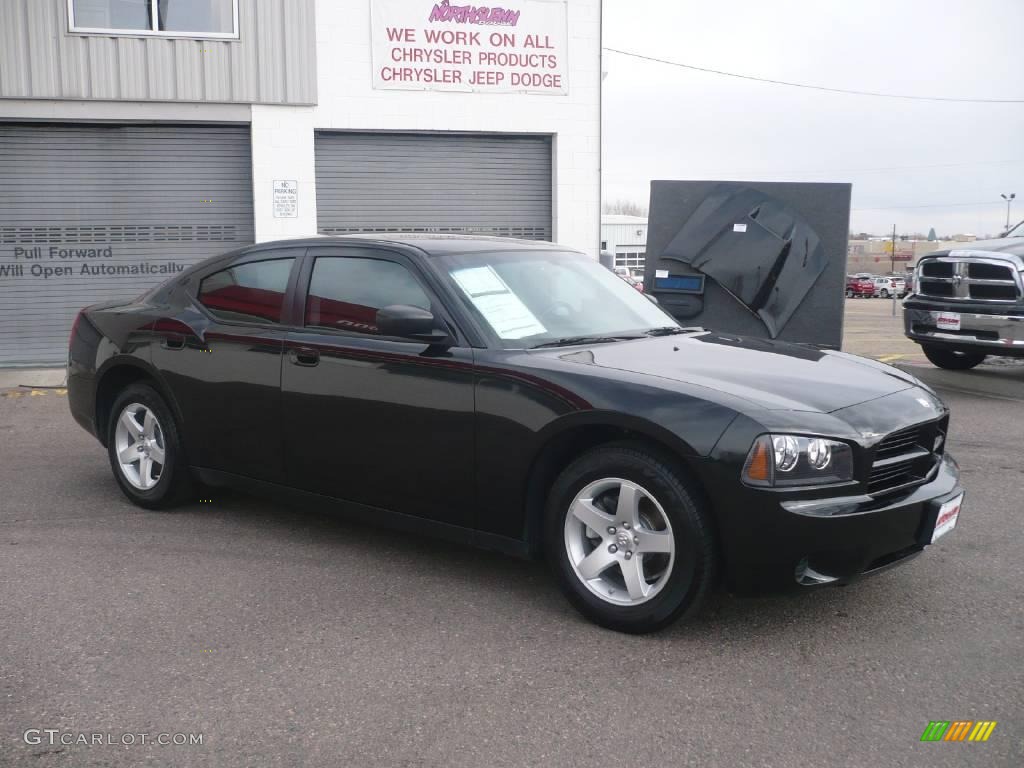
171	18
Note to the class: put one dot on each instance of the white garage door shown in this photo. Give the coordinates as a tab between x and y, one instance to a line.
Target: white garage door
473	184
91	213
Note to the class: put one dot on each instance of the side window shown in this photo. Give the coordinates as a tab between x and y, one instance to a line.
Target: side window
252	292
346	292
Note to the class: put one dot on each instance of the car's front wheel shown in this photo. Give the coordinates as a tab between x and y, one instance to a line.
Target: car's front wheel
629	539
145	449
952	359
885	293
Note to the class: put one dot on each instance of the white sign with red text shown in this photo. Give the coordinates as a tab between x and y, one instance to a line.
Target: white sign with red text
521	47
948	515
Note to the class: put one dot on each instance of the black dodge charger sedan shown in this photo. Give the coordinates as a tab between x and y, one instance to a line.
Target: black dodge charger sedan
521	397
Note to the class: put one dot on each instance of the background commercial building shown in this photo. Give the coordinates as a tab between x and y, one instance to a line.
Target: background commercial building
625	237
875	254
137	138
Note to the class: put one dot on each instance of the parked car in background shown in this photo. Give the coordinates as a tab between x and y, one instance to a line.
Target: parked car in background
887	287
859	287
638	275
624	273
969	303
514	395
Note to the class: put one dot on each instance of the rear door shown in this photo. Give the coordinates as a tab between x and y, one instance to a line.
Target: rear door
226	373
372	419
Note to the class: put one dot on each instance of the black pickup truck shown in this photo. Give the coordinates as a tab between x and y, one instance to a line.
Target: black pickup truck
967	304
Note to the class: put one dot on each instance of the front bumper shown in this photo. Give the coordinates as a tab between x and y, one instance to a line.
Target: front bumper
996	334
775	543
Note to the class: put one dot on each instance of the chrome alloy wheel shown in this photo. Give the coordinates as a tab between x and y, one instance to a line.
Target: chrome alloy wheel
619	541
140	446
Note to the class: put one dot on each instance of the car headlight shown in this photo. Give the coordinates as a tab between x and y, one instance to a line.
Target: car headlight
781	460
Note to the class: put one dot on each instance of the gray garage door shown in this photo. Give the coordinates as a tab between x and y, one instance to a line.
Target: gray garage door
91	213
491	185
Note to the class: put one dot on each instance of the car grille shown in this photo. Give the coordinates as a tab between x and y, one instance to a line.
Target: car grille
907	457
946	277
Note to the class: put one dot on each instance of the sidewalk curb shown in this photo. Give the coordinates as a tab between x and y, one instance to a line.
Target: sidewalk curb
32	377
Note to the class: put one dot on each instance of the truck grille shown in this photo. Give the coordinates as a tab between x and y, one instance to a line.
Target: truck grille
947	277
907	457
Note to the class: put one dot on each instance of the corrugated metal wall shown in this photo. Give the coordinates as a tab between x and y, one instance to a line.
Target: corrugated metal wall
91	213
624	234
477	184
272	62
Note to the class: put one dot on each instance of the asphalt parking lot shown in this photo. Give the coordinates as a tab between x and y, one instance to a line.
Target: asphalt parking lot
292	637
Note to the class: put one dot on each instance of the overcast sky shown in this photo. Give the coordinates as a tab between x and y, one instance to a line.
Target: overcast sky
663	122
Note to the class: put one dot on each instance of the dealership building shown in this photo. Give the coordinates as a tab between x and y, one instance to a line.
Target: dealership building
140	136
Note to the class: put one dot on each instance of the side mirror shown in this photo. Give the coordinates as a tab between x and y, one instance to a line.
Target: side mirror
410	323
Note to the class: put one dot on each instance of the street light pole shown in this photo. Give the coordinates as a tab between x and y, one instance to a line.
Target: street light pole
1009	199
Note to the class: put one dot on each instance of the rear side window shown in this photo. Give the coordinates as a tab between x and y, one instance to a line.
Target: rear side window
252	292
346	292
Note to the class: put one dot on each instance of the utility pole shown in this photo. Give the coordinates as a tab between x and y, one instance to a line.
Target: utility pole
1009	199
892	267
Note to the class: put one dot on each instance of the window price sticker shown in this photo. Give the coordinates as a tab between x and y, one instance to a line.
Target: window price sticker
502	309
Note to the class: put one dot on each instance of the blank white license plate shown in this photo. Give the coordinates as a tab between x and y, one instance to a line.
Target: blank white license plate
949	513
947	321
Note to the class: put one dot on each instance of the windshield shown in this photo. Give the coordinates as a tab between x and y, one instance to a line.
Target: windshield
527	298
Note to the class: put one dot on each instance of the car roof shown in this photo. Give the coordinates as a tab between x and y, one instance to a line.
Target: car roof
434	244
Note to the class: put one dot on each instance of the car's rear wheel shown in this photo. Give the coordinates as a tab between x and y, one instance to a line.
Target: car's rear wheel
952	359
145	449
885	293
628	539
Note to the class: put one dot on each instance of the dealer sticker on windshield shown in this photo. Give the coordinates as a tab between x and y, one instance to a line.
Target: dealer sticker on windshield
501	308
947	321
949	513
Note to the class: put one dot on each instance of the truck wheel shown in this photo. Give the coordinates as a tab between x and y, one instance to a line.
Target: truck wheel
951	359
629	540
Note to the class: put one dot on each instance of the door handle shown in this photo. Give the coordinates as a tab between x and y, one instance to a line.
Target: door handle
306	356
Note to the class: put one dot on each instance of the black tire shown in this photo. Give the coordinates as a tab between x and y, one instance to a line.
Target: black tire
951	359
885	293
175	484
849	294
695	564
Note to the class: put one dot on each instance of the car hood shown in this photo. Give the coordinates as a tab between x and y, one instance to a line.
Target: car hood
773	375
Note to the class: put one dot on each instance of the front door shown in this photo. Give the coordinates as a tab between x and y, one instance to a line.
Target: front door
381	421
